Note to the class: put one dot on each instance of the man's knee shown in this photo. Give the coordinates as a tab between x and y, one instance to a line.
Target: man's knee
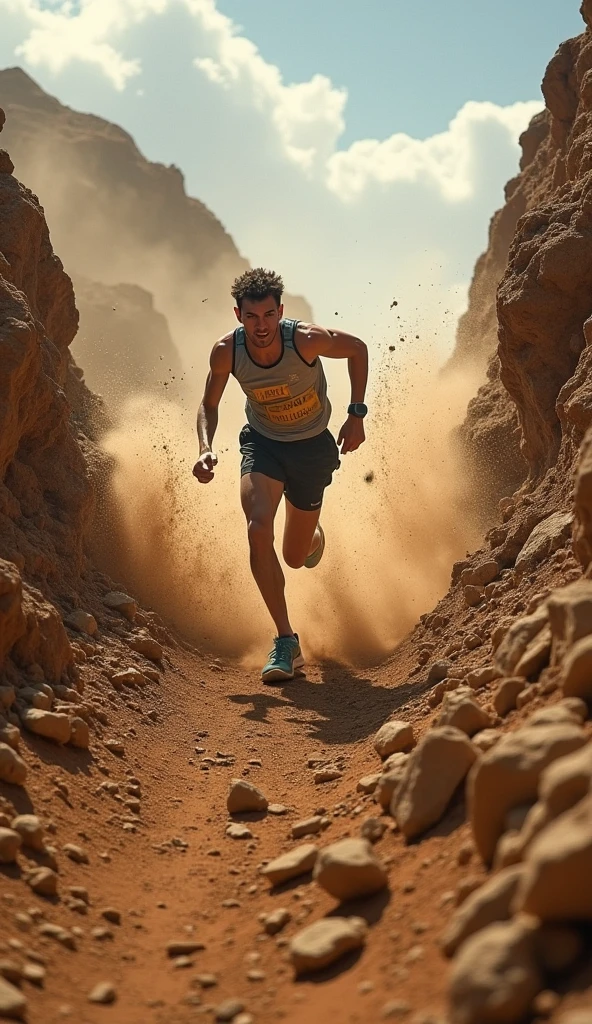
260	533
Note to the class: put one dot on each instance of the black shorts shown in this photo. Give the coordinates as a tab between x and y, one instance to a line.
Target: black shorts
304	467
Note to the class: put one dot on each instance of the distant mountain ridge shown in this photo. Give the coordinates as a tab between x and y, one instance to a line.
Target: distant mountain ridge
119	219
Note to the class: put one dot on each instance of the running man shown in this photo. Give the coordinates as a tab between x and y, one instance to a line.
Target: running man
286	447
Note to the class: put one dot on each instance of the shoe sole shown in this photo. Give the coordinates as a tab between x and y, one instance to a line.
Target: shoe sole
312	560
276	675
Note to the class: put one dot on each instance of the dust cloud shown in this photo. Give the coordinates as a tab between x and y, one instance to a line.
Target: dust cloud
396	515
395	518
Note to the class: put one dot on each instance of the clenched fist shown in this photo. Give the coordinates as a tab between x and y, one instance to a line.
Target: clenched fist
204	467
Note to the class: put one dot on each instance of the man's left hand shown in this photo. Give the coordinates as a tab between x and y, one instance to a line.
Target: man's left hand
351	435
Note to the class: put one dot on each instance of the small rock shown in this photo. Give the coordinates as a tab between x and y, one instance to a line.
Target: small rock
30	830
326	775
276	921
325	941
43	881
207	980
373	829
79	733
486	740
61	935
75	853
144	644
34	974
228	1010
278	809
243	796
308	827
349	868
394	737
237	831
116	747
368	783
472	595
12	767
13	1004
82	621
104	993
122	603
290	865
183	947
10	844
506	695
112	915
462	711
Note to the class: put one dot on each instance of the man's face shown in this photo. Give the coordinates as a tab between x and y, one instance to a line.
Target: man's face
260	319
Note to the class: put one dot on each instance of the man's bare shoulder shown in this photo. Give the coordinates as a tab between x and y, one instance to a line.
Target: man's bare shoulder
221	357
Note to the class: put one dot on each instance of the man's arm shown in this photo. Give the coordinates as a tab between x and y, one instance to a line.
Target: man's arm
313	341
207	414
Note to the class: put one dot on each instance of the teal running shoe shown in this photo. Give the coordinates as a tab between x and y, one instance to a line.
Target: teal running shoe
313	559
285	657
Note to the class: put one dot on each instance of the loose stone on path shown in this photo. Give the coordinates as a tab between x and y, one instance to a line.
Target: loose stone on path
322	943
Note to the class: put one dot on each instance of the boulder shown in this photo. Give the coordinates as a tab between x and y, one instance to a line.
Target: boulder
12	767
49	724
570	617
435	769
296	862
350	868
567	781
550	534
322	943
122	603
243	796
558	867
505	696
577	670
146	645
517	638
394	737
387	786
490	903
485	740
536	655
495	976
509	774
462	711
82	622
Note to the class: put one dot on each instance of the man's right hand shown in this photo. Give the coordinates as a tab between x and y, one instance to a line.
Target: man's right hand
204	467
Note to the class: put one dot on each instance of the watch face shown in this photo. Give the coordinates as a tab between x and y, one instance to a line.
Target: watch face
359	409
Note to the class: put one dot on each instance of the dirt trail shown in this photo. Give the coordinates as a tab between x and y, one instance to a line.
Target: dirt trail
167	891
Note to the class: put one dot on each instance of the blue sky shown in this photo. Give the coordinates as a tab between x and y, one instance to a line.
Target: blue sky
409	65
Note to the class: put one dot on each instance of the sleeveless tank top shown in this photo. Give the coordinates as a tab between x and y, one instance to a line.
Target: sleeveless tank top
286	401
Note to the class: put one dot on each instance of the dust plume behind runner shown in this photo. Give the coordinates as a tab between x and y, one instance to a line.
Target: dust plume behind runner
395	518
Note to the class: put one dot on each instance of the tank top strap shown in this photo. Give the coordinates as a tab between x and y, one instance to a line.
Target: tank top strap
288	328
238	343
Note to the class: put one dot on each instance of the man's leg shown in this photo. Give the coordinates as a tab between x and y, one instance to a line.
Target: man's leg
260	497
301	536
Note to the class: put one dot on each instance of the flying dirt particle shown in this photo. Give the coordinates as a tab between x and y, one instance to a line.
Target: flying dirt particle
369	477
394	303
337	314
204	300
391	348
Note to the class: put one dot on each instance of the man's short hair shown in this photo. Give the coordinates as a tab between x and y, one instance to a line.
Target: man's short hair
257	284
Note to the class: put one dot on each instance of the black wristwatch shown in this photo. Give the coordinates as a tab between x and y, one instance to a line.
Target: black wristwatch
357	409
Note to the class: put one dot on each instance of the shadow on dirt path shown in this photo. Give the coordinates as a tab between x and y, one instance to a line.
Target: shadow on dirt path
346	706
